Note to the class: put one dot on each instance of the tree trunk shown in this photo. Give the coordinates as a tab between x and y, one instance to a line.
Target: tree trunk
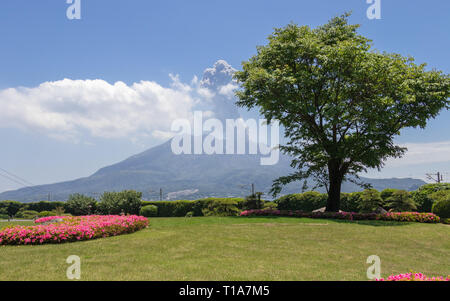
334	193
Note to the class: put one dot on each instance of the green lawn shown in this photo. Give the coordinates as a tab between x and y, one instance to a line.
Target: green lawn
259	248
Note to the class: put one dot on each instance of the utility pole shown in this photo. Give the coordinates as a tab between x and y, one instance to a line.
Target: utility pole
439	178
253	189
160	194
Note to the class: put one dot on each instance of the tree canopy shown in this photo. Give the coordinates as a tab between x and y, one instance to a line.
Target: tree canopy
340	102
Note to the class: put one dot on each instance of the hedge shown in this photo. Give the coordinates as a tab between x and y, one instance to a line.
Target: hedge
390	216
307	201
196	207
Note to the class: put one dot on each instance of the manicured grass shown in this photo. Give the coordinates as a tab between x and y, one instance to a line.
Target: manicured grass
257	248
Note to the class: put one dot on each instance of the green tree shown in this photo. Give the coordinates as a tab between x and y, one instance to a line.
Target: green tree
387	193
400	200
340	103
127	201
79	204
11	207
369	201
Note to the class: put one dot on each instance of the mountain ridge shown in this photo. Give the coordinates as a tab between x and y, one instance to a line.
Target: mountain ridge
190	176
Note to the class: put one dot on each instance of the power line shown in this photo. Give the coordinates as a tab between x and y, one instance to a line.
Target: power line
12	179
28	183
438	179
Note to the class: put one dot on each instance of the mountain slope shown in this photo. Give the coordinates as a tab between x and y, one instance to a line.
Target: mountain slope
185	176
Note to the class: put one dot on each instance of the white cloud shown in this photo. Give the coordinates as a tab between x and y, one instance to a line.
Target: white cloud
68	107
422	153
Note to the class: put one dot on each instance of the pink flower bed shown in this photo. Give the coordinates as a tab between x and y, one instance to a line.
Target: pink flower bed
72	229
414	277
420	217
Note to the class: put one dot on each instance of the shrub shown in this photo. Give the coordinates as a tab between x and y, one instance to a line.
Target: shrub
221	208
44	205
400	200
79	204
307	201
350	201
370	201
387	193
46	213
422	196
173	208
253	201
27	214
182	207
442	208
269	205
127	202
149	211
440	195
390	216
10	208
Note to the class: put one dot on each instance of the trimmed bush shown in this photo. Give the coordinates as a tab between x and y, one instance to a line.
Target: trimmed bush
419	217
269	205
79	204
370	201
442	208
173	208
221	208
400	200
127	202
350	201
44	205
46	213
10	208
149	211
27	214
387	193
307	201
423	196
183	207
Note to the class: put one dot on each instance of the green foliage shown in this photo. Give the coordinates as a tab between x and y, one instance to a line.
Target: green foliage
182	207
173	208
43	206
442	208
10	208
269	205
253	201
440	195
79	204
387	193
307	201
127	202
149	211
370	200
340	103
221	208
423	196
350	201
46	213
400	201
27	214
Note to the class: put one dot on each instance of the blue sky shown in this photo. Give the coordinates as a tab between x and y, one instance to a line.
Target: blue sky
141	40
